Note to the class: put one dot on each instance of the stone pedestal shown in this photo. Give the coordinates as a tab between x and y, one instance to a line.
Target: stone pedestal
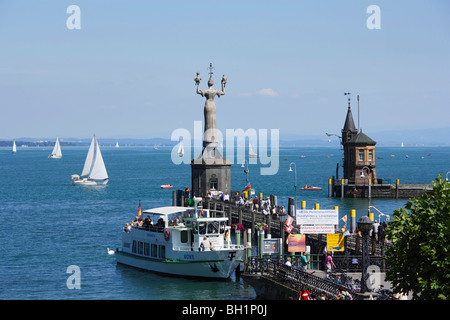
210	171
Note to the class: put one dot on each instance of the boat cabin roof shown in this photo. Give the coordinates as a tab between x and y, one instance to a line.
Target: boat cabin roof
187	213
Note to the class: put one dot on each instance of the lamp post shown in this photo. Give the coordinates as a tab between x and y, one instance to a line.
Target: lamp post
295	185
368	180
380	214
365	225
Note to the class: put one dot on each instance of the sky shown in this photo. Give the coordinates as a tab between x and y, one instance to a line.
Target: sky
129	71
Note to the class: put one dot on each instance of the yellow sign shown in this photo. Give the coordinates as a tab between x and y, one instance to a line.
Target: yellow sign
335	242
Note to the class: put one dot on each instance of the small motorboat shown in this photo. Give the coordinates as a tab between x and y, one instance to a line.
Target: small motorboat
166	186
311	188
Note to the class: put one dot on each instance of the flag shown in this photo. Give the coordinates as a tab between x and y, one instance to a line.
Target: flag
139	209
248	187
289	220
289	228
344	228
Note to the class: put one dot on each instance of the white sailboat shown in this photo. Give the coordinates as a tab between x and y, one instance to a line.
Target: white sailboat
56	153
117	144
251	152
14	149
180	151
94	170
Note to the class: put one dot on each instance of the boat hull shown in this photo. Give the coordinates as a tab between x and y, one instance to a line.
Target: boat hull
89	182
206	264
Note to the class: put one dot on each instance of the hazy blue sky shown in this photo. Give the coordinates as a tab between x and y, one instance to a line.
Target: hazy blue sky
129	71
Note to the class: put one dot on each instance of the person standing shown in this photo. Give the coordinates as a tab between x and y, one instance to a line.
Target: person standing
304	261
329	262
304	294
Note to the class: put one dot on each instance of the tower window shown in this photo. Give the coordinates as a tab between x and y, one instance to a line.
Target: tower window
213	184
361	155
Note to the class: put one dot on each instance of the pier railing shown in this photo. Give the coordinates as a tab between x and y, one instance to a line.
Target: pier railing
293	278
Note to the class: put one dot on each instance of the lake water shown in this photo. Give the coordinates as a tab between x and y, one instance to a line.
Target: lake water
49	225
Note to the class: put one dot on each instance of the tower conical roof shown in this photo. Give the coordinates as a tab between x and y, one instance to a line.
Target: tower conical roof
349	124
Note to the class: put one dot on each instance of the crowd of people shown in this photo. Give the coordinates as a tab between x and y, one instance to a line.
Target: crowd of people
143	223
262	205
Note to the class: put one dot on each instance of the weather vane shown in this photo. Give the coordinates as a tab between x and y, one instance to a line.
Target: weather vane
347	94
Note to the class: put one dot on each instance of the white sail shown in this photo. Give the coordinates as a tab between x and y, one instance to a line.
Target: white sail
89	159
56	153
251	152
117	144
180	149
14	149
98	169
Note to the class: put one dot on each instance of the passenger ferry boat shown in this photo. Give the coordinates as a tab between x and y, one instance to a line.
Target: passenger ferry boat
183	241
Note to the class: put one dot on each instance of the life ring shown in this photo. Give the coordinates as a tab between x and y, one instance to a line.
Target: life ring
167	234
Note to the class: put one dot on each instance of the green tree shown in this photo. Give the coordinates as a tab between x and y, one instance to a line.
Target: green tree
420	234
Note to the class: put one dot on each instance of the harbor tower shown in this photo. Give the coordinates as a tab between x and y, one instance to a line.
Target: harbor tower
359	153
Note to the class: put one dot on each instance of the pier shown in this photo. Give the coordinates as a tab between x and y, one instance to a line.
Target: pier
268	274
275	224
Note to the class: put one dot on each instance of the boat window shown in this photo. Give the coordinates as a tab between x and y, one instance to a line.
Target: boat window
202	227
222	226
154	250
141	247
146	249
134	247
162	252
184	236
213	227
195	227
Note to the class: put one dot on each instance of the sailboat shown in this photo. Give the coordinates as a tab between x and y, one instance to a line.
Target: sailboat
14	149
94	170
180	151
117	144
56	153
251	152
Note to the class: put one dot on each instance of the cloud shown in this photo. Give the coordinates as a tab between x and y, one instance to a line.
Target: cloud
267	92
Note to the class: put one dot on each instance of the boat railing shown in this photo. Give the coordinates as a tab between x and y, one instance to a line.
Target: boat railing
150	228
215	247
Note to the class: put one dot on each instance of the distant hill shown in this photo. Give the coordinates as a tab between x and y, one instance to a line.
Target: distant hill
428	137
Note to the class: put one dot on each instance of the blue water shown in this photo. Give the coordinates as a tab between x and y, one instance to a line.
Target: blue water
49	225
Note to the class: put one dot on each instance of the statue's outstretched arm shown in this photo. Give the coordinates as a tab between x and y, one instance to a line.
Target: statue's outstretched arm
224	82
197	81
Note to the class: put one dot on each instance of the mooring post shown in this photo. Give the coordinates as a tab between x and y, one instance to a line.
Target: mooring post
396	188
342	188
353	220
329	187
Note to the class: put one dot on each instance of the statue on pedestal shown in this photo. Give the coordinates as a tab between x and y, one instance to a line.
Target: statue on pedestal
210	138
